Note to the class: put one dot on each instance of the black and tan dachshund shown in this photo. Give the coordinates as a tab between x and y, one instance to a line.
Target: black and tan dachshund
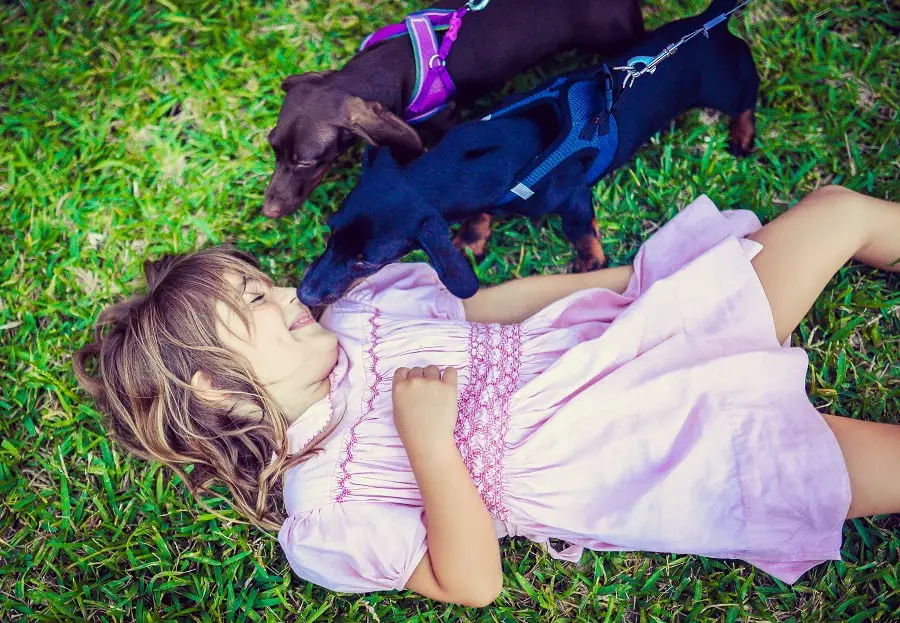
397	208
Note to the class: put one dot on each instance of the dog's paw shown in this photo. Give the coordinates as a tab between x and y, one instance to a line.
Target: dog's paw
473	235
588	251
742	131
589	256
588	264
740	150
477	247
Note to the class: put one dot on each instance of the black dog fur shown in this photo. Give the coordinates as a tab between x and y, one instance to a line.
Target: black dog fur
395	208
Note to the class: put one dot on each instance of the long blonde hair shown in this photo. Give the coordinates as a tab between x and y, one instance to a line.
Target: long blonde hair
139	367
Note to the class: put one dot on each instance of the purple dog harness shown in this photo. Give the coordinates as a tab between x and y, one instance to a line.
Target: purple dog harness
434	86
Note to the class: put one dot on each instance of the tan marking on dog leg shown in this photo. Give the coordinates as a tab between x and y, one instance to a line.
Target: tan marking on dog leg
589	252
474	235
742	130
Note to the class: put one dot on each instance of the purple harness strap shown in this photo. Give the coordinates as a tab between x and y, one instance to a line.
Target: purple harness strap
434	86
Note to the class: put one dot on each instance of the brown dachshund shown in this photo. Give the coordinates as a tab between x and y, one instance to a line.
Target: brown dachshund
325	112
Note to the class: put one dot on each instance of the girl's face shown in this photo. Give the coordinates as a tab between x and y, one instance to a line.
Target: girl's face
288	351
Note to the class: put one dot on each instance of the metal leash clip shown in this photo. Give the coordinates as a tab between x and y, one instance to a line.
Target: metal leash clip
477	5
633	72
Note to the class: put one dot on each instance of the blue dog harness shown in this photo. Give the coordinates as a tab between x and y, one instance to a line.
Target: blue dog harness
583	104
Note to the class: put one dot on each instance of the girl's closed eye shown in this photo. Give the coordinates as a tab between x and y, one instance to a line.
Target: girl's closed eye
254	292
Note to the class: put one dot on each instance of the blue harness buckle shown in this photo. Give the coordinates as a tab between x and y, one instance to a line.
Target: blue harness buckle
583	107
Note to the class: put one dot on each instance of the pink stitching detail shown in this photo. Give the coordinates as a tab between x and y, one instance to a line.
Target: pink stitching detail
369	396
483	419
331	386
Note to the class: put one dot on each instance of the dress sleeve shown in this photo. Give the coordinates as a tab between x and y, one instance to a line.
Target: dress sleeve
355	547
408	289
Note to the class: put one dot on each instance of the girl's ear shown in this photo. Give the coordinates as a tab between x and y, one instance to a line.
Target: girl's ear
203	388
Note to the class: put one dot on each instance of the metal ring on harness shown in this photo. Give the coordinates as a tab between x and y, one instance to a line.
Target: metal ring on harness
435	57
477	5
650	62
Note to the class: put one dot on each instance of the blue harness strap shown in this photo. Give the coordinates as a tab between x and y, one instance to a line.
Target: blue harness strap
583	105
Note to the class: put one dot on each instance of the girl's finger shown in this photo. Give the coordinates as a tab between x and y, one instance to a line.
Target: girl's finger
450	376
400	375
416	373
433	372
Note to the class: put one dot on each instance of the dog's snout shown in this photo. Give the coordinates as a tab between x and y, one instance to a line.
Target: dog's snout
283	197
271	208
312	296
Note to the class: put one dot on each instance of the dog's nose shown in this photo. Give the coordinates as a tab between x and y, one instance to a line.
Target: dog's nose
310	295
272	209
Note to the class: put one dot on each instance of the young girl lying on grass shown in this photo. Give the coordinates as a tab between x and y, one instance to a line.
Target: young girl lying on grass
645	407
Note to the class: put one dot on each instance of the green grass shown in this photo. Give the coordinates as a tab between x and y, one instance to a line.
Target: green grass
130	129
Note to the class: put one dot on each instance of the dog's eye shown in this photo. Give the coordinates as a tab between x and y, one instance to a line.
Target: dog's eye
360	263
302	164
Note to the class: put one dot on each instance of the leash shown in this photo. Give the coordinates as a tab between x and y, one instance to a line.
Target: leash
440	57
632	72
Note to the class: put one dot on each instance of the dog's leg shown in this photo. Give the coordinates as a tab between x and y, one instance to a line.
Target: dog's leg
588	250
473	235
742	131
581	228
737	95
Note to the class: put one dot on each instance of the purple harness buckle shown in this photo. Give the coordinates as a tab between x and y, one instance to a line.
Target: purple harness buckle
434	86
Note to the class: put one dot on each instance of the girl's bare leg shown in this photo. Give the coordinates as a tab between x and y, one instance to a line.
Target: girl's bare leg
872	454
803	249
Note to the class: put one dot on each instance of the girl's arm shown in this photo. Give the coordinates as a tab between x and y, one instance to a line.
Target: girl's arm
517	300
462	564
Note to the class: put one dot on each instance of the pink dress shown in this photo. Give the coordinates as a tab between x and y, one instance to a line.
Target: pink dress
667	418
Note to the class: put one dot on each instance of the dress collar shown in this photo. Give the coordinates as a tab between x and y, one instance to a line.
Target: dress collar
318	416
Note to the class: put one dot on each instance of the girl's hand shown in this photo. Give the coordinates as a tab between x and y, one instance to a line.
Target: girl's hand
425	406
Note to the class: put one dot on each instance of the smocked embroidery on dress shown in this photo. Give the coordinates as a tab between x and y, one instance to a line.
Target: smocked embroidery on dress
373	381
480	433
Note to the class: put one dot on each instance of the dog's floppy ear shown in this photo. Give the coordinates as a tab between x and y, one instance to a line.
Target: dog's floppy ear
453	269
375	124
293	80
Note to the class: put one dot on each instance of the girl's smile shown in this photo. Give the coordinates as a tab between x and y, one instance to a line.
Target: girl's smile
289	352
302	320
